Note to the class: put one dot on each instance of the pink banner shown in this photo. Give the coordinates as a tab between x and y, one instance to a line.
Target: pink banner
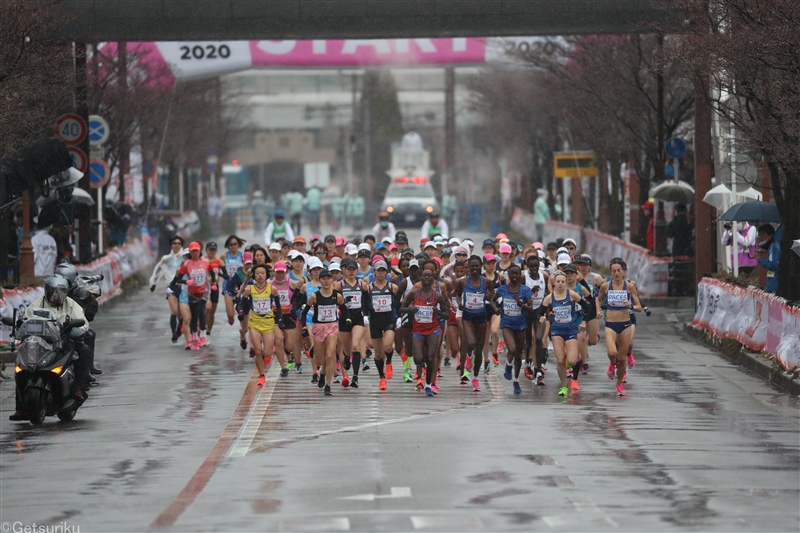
367	52
775	325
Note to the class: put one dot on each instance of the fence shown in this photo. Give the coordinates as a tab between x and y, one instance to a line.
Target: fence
756	319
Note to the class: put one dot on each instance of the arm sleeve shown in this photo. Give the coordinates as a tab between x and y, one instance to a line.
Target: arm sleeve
304	315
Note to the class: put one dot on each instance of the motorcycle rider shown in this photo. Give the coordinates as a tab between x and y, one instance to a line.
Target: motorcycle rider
85	295
55	298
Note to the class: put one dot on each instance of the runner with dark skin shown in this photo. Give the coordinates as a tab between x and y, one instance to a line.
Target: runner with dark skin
475	323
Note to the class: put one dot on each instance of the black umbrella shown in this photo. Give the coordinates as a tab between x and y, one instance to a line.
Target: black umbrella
752	212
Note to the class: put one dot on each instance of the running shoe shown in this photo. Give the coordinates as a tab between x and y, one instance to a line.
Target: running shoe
620	389
546	355
631	361
284	372
420	385
562	391
337	378
347	362
188	346
328	390
315	378
446	361
501	346
585	369
469	364
382	385
517	388
204	342
243	343
389	371
540	379
612	369
528	372
439	373
321	382
252	352
290	366
175	338
268	361
435	389
465	378
625	377
406	363
476	385
574	385
298	369
507	372
345	382
428	390
458	367
261	380
364	365
403	356
354	383
495	359
368	352
195	345
487	368
338	366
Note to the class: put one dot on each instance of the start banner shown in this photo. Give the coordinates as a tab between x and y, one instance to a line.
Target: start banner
756	319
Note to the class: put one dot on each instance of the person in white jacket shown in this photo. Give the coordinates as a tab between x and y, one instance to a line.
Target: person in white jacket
165	269
435	226
384	228
277	229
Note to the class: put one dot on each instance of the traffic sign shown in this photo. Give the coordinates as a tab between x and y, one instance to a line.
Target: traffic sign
99	173
675	147
97	152
71	129
148	170
79	159
98	130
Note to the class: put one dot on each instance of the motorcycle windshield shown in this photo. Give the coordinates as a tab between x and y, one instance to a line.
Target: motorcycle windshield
47	329
33	351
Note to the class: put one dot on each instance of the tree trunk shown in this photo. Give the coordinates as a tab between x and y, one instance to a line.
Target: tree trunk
788	199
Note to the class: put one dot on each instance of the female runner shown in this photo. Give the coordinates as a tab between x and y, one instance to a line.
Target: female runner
165	269
216	267
564	328
473	291
620	297
232	261
493	329
406	320
573	284
287	336
381	322
536	280
514	298
325	329
355	292
262	318
453	333
311	286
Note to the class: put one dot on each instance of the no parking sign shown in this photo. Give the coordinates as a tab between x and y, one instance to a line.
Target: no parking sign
99	173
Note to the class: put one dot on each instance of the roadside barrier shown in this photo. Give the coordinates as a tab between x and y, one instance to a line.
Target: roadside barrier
758	320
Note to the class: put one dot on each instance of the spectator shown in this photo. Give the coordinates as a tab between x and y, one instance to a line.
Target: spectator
680	231
450	209
45	252
647	211
541	213
259	208
215	214
278	229
746	236
768	255
294	207
384	228
313	200
355	212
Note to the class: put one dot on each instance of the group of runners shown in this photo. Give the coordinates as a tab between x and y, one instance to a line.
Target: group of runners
334	305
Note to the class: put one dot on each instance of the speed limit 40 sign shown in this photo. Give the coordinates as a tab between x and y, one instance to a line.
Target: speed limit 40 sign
71	128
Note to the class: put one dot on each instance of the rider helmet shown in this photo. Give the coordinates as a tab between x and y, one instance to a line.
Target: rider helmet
68	272
55	290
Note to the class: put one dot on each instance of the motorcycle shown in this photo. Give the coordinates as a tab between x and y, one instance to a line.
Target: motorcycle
44	370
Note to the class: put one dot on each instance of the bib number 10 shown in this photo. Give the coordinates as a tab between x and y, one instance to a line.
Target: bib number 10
208	51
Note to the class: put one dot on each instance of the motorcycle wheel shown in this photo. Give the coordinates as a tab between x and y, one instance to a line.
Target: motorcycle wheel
36	405
68	415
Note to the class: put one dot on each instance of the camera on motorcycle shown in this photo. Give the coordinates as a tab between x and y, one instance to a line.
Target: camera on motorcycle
77	323
7	321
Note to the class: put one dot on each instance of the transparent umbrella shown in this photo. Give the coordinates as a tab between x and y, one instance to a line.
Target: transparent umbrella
719	197
673	191
796	246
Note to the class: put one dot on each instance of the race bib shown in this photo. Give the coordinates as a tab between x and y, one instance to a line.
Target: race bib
283	296
327	313
199	277
353	299
261	306
563	314
473	301
424	315
617	298
382	303
231	269
510	308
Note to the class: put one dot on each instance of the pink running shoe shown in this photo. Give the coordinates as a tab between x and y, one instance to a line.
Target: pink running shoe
204	341
620	390
625	377
434	389
476	385
469	364
195	344
631	361
612	370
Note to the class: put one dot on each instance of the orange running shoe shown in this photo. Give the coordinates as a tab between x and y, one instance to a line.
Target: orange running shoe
345	382
382	385
420	385
262	380
574	385
389	371
495	359
268	360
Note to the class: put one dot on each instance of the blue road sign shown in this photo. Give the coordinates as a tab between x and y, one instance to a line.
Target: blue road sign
98	130
675	147
99	173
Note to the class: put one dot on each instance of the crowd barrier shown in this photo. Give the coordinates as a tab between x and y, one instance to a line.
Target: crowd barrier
652	273
117	265
756	319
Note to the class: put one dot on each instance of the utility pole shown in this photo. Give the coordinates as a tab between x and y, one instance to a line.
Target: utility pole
660	226
125	145
368	152
82	109
702	179
449	129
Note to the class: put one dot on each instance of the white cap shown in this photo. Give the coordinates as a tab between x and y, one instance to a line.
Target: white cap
315	263
541	254
294	254
455	241
563	259
335	265
275	246
460	250
364	246
429	244
413	263
387	240
570	240
351	249
468	242
562	250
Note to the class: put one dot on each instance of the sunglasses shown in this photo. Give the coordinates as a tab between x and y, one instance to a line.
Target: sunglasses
320	253
177	243
461	255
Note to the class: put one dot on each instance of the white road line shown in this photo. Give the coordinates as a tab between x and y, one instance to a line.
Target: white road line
314	525
241	445
439	523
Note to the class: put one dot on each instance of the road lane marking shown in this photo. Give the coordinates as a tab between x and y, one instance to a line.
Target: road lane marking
396	492
314	525
439	523
255	416
199	480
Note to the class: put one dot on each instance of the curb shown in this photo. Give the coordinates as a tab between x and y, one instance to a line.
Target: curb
740	356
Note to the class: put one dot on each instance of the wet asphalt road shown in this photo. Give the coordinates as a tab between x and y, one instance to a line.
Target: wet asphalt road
182	441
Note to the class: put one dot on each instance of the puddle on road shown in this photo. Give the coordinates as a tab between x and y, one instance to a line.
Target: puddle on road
487	498
499	476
